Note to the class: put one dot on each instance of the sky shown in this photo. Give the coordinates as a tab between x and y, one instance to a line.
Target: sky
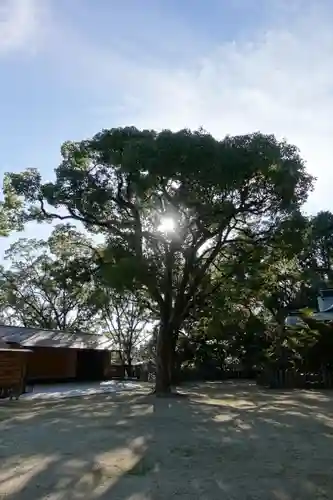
69	68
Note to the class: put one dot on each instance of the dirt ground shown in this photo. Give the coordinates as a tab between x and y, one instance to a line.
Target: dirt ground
222	441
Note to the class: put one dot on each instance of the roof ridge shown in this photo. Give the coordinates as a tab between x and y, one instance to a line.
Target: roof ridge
68	332
38	337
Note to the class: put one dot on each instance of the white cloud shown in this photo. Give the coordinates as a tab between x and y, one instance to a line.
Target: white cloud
281	82
20	24
278	81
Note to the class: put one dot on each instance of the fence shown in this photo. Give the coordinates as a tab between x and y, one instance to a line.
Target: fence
213	374
295	379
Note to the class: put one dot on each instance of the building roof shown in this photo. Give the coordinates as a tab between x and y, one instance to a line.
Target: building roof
328	309
326	292
8	349
34	337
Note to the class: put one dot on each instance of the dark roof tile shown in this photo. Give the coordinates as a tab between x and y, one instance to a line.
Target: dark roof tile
34	337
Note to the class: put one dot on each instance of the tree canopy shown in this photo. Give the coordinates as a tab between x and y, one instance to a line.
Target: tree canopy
170	206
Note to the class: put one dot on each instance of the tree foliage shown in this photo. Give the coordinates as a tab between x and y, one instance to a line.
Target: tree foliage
125	319
123	184
38	287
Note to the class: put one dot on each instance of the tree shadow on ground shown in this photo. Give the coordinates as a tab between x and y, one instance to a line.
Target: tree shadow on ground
225	440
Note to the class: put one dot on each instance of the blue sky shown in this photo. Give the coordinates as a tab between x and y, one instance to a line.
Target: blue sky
71	67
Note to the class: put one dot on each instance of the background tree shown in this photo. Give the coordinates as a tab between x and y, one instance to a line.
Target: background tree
316	256
168	204
125	319
38	286
227	327
10	211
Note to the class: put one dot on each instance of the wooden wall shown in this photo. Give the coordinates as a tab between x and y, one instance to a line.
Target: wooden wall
12	367
56	364
47	363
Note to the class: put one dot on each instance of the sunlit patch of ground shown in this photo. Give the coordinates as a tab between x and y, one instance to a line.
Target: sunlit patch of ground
73	390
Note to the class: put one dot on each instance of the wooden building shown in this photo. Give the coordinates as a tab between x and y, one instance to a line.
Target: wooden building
13	365
61	356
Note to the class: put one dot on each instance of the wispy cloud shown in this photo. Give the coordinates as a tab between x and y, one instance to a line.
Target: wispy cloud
277	79
20	24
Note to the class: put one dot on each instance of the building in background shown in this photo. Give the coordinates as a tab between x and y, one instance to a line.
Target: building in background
324	313
61	356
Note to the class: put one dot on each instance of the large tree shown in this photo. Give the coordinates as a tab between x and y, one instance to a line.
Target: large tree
168	204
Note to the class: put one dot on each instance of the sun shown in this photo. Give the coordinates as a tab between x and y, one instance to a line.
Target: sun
167	225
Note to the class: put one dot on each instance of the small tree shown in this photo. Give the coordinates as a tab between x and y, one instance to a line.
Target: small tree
126	321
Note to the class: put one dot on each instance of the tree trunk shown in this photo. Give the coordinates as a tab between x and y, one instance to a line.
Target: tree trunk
174	361
164	360
129	366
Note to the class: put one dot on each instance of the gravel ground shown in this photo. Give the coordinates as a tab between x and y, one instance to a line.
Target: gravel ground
222	441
